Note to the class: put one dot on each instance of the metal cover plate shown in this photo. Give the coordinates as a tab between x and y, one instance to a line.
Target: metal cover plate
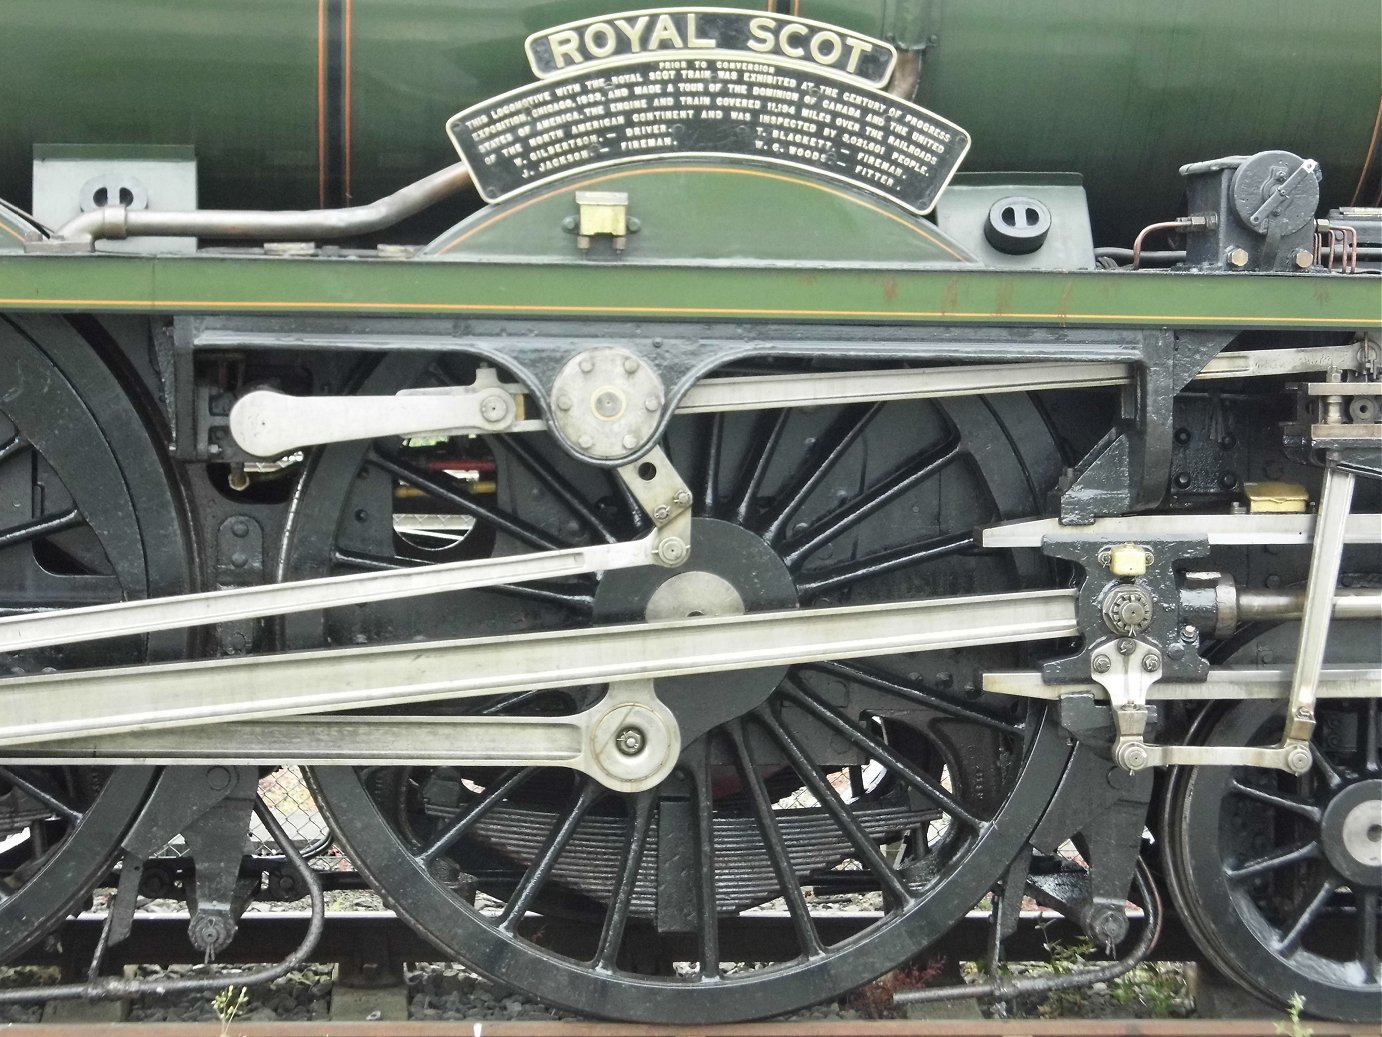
716	106
709	32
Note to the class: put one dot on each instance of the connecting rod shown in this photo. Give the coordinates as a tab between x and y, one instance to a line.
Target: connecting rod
111	701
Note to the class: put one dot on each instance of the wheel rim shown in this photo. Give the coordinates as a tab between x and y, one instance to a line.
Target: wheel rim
80	540
572	848
1257	865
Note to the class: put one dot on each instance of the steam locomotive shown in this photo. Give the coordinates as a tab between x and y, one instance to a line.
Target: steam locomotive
802	455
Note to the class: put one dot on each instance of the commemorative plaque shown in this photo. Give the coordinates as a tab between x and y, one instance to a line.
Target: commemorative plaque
705	81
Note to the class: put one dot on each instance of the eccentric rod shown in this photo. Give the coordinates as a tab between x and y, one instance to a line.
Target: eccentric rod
115	221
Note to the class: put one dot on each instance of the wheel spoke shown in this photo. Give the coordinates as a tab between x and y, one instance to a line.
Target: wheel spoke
40	527
46	798
12	446
580	602
917	695
638	518
901	481
462	823
923	784
833	444
1280	800
552	848
895	891
1273	861
1372	763
1289	941
620	903
1369	901
557	485
709	498
708	922
1328	771
497	517
881	562
807	937
767	430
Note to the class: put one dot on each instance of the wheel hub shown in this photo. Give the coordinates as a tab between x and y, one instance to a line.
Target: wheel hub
732	572
1352	830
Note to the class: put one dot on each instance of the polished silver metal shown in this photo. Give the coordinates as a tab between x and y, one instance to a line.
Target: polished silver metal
606	403
1126	668
1222	683
1361	833
1264	605
270	424
577	411
661	492
1336	497
112	221
134	617
691	594
109	701
1221	530
581	742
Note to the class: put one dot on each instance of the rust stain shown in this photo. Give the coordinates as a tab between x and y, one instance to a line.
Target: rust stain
950	298
1067	296
890	290
1003	298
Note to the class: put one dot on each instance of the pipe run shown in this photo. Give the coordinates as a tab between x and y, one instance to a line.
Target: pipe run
81	233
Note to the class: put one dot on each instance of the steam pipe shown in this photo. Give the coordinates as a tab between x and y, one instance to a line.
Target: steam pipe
81	233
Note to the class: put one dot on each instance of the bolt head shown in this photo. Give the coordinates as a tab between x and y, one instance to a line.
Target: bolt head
585	442
1189	632
1132	756
652	404
1298	760
630	365
682	498
586	365
1102	664
630	741
1237	258
563	402
1151	663
672	551
661	512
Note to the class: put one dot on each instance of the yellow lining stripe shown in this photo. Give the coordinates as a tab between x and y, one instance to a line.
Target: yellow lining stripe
11	231
576	183
691	311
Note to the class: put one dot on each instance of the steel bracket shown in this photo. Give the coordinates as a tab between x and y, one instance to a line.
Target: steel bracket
1130	468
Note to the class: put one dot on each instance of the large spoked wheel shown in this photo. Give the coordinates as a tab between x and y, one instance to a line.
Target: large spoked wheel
82	496
889	786
1278	877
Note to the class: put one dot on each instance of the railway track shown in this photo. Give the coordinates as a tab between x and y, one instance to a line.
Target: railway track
874	1028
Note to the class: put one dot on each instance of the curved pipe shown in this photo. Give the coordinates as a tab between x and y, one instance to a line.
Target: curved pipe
113	221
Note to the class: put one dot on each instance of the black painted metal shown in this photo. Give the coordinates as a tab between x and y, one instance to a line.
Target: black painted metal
837	493
80	456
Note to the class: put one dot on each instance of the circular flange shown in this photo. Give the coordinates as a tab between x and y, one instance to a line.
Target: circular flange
735	572
606	403
1258	178
1352	832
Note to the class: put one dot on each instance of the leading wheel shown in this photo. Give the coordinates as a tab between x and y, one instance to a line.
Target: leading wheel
891	786
82	499
1279	878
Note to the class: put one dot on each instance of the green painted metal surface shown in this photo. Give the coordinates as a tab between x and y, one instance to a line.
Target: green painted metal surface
704	208
1122	91
722	291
